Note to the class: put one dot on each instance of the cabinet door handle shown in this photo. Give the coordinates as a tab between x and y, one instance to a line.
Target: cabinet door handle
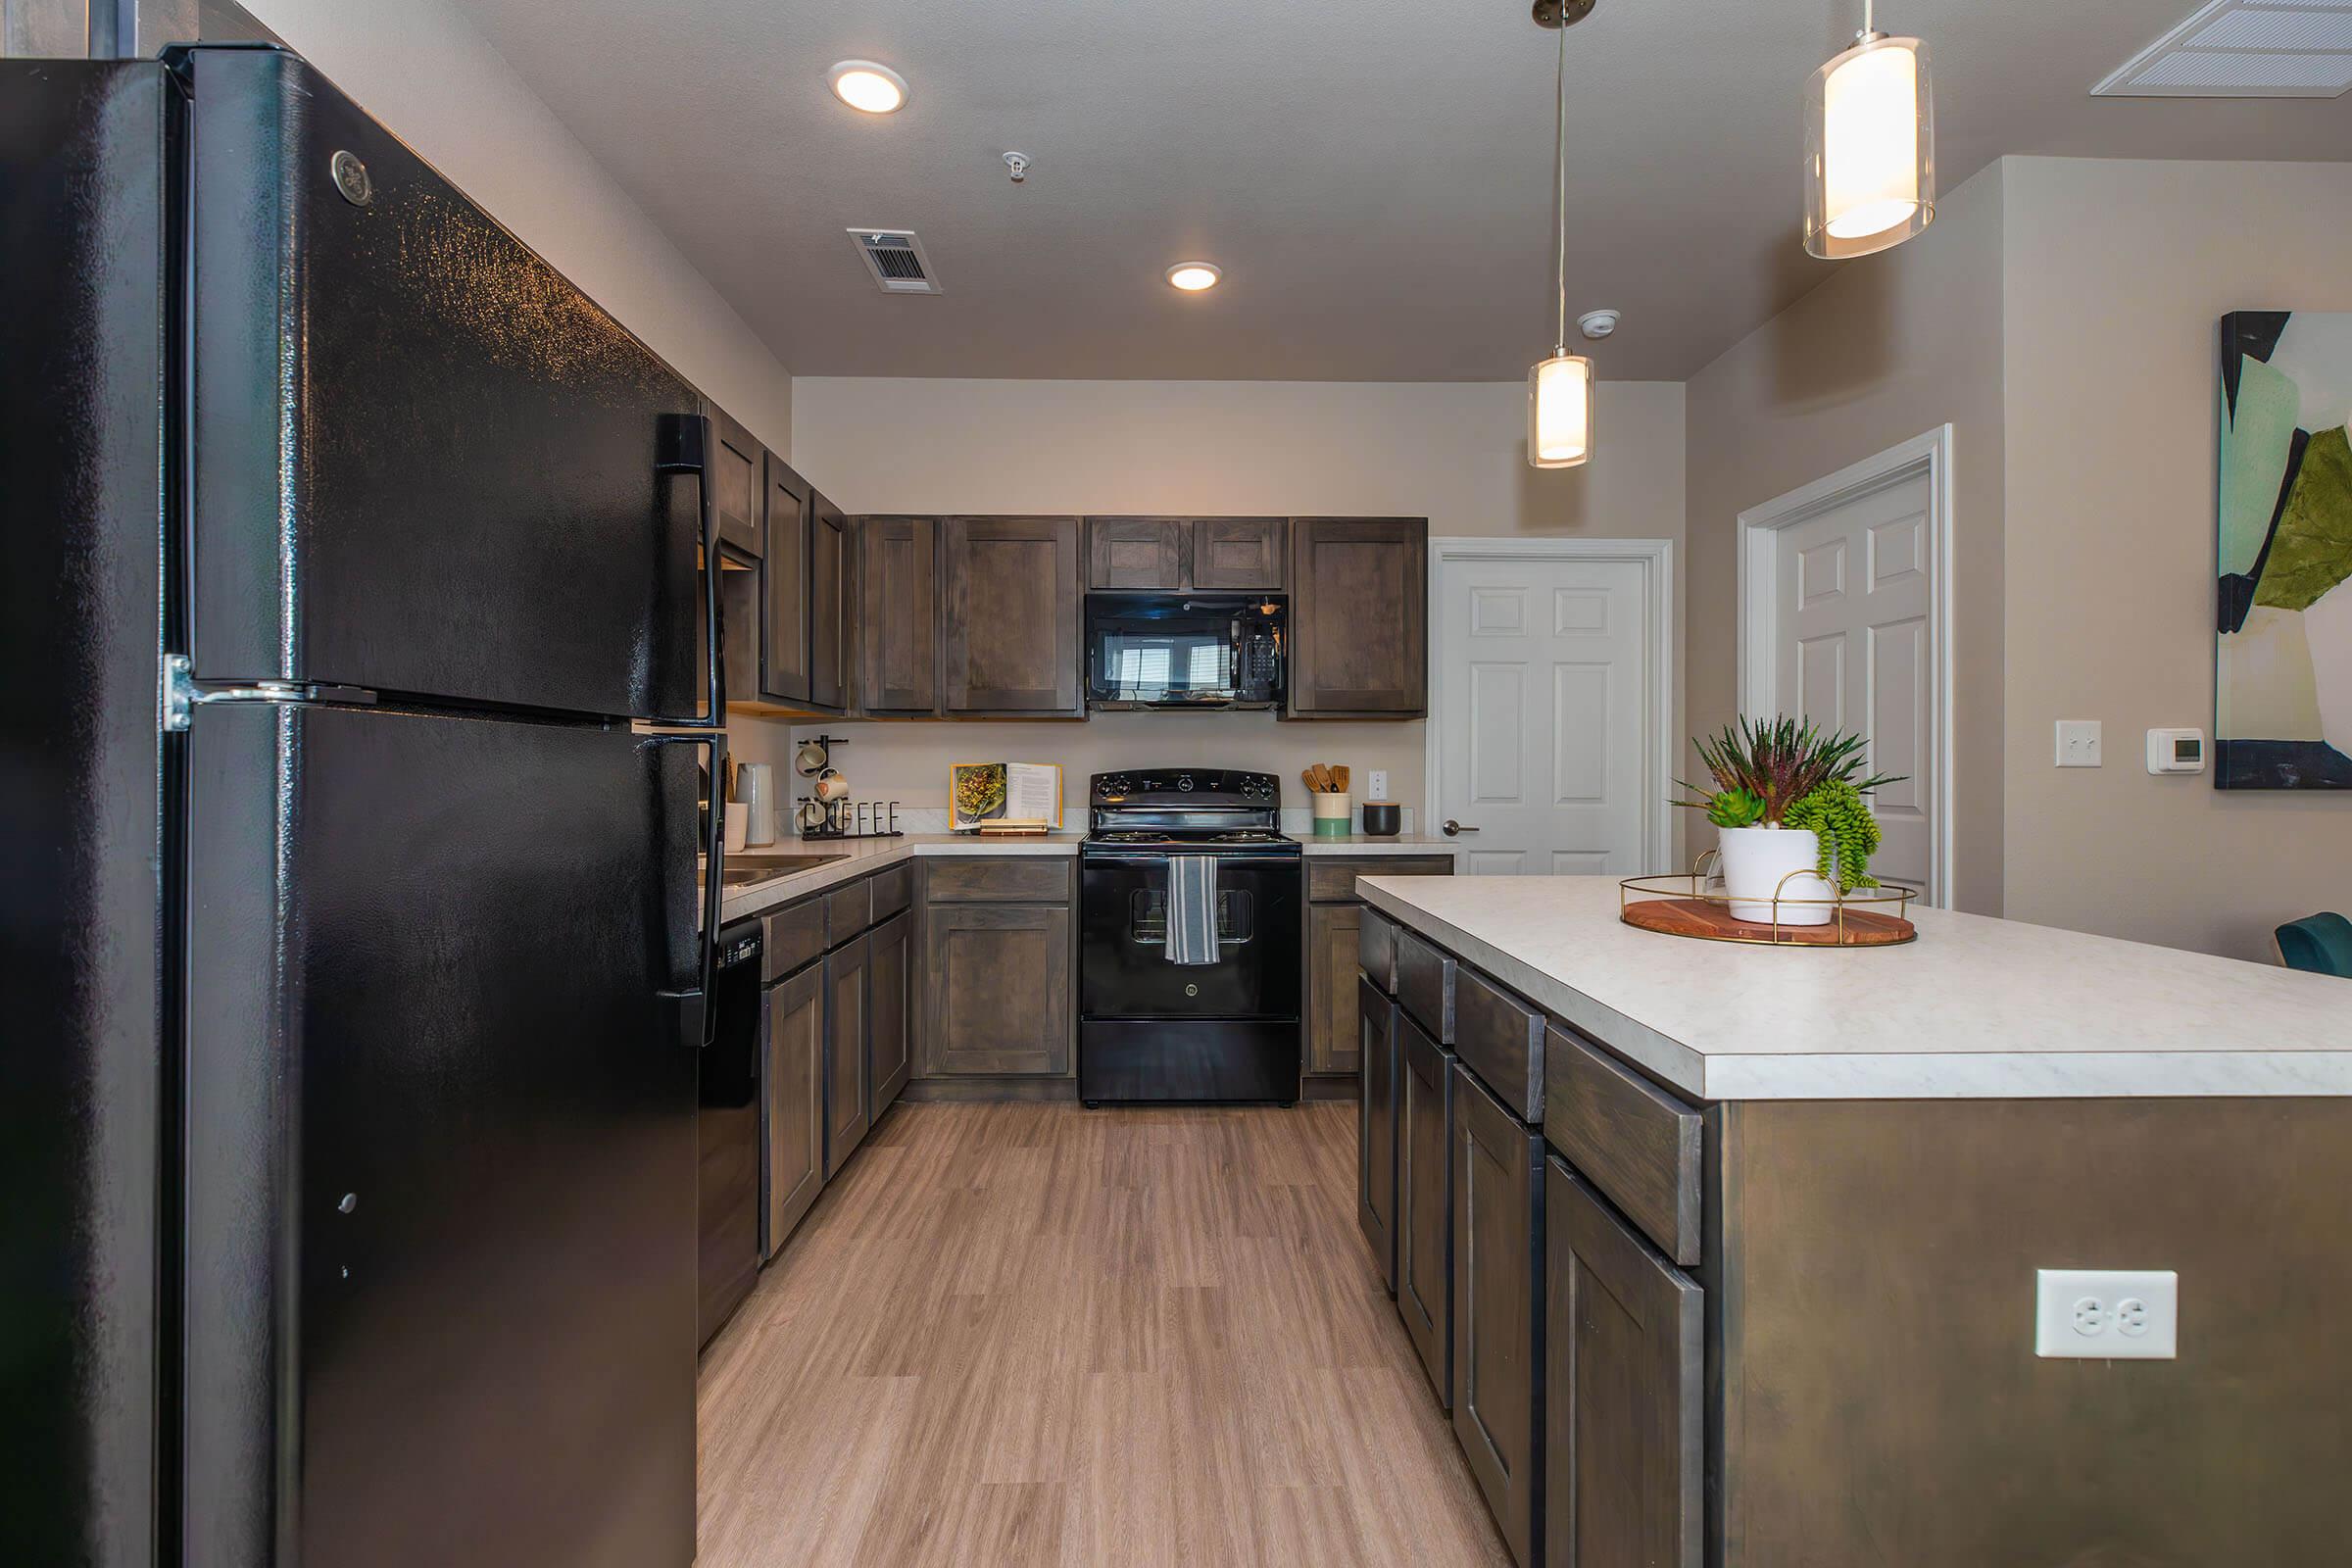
1453	827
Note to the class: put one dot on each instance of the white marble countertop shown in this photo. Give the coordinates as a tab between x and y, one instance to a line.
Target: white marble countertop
857	856
1393	843
1975	1008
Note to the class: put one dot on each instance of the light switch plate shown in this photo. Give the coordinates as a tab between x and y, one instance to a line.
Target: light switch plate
1379	784
2101	1314
2077	743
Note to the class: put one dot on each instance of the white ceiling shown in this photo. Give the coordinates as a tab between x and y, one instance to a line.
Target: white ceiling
1373	178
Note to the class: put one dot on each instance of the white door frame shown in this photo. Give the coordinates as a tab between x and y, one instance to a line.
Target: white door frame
1930	454
1655	557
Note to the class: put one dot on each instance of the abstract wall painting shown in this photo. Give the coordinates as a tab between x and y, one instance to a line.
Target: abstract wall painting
2282	665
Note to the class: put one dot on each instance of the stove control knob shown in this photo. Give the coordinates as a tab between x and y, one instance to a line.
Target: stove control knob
1184	781
1115	785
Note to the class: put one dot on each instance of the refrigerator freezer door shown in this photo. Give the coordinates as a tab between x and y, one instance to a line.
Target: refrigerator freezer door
82	757
423	461
441	1164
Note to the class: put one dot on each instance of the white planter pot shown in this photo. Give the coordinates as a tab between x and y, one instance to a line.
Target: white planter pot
1758	863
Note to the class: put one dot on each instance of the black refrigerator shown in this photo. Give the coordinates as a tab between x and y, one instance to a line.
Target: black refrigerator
353	955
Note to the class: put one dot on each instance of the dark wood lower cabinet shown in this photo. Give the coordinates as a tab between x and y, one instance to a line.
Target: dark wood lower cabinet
1425	1202
1626	1384
1331	969
1499	1309
889	994
996	985
846	1011
791	1082
1376	1128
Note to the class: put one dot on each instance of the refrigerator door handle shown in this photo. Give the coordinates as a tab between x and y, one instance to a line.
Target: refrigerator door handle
684	447
694	1003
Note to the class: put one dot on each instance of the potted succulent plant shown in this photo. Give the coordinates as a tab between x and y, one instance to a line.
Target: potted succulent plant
1793	822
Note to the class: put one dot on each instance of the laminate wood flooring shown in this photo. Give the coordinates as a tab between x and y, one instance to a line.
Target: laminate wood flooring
1034	1334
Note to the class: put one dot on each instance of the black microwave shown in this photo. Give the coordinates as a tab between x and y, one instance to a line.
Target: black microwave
1184	650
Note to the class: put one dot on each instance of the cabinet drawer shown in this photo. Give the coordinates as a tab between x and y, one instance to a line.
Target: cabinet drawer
791	937
1425	982
1500	1039
995	879
1329	878
1376	951
849	910
1635	1142
892	889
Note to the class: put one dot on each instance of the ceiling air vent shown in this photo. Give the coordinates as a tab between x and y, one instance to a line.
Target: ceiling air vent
896	259
2245	49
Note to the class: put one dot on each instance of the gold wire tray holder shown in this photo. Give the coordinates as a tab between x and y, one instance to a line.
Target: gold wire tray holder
1875	917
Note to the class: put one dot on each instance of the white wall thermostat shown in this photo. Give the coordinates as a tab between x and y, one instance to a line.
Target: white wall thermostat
2176	751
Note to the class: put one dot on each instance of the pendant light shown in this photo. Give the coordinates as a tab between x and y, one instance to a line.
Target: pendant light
1559	390
1870	146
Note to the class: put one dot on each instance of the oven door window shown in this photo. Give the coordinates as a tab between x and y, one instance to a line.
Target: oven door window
1123	967
1148	917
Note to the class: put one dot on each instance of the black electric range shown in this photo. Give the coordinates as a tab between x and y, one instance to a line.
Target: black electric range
1221	1028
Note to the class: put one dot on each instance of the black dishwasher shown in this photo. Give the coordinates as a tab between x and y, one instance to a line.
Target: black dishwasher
727	1128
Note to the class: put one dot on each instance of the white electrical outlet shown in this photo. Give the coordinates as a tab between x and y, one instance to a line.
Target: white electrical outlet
2107	1314
1380	785
2077	743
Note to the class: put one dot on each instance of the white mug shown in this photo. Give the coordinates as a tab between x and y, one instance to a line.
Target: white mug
739	822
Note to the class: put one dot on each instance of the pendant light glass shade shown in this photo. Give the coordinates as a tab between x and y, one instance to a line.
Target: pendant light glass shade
1560	411
1870	149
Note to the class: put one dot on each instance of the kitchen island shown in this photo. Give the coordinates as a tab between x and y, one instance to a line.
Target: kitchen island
1758	1232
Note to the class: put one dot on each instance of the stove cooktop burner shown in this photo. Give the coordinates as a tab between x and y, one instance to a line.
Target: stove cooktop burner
1154	836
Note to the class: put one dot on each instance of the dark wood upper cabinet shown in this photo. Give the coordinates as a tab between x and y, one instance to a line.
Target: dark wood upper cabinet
735	482
1624	1391
1360	617
1009	624
898	592
828	603
1242	555
783	668
1232	555
1499	1309
1136	553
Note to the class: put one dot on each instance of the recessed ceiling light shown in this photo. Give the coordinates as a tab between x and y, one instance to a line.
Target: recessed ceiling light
1194	277
863	85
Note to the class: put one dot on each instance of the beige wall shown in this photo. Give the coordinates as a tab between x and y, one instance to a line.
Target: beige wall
1452	453
422	69
1886	349
2116	275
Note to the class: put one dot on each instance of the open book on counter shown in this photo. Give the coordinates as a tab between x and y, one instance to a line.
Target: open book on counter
1004	797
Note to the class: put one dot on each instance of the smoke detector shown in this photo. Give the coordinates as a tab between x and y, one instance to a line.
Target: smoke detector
2244	49
1596	324
895	258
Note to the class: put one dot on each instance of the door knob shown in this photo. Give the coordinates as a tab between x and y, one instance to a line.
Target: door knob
1453	827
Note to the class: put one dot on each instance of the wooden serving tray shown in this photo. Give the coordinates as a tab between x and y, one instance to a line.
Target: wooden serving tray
1713	922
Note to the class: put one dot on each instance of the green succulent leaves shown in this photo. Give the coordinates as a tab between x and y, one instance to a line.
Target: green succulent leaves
1735	808
1849	835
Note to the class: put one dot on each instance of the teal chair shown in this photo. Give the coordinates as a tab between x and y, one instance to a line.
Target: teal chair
2320	943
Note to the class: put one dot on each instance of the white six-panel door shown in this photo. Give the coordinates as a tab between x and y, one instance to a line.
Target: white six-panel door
1544	721
1853	587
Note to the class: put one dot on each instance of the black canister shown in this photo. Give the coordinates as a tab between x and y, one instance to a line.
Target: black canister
1381	818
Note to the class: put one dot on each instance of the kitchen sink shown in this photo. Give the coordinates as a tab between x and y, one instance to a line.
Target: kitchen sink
743	872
